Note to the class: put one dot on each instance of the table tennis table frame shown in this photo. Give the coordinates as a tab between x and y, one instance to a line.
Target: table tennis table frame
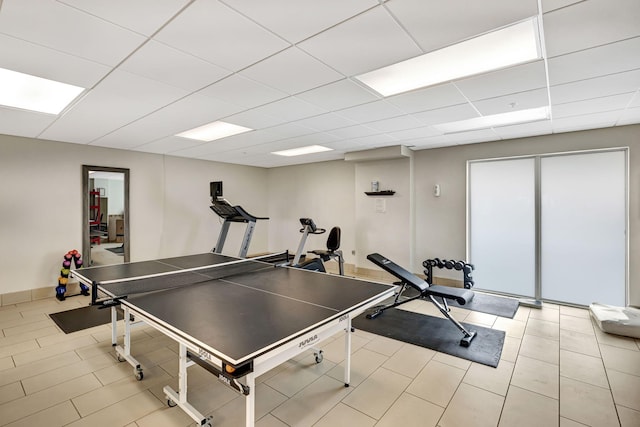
261	364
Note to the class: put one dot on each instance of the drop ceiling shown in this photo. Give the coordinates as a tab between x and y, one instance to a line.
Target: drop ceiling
285	68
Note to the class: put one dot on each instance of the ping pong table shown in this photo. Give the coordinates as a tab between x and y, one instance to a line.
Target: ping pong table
237	318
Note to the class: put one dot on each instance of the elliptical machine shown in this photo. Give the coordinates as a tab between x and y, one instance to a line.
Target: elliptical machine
332	251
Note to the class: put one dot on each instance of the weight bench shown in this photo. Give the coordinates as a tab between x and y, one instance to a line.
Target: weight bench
461	296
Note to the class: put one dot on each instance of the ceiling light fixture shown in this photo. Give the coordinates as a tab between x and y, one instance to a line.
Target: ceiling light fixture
27	92
302	151
213	131
508	46
495	120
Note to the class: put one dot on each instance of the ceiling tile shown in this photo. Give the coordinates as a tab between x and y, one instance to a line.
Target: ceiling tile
326	122
471	137
23	123
396	124
520	78
588	121
296	142
597	87
513	102
372	111
290	109
347	146
184	114
367	142
167	145
189	150
338	95
242	91
446	115
253	119
595	105
165	64
415	133
549	5
589	24
630	116
235	142
599	61
142	16
26	57
435	24
524	130
60	27
428	99
292	71
368	41
214	32
108	107
353	132
296	20
289	130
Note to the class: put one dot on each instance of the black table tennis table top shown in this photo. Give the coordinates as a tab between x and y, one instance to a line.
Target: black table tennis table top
237	318
144	268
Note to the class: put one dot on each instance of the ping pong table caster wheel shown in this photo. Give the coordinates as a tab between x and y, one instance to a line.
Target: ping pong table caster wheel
171	403
139	375
319	356
120	358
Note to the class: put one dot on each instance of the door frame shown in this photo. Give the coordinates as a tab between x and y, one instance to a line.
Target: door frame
86	238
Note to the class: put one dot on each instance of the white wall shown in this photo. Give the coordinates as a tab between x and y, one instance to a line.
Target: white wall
41	206
321	191
385	230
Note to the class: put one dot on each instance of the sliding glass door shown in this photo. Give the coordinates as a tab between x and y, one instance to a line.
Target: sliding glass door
502	225
550	227
583	225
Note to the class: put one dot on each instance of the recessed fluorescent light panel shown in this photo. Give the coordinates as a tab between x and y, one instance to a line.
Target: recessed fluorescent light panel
508	46
213	131
27	92
495	120
302	150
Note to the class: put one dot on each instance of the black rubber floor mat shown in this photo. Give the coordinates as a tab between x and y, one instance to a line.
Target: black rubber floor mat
435	333
82	318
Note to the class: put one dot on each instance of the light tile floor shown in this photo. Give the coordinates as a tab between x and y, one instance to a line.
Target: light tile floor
556	369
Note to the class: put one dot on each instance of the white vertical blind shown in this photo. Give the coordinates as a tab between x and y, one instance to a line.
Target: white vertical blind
502	225
583	225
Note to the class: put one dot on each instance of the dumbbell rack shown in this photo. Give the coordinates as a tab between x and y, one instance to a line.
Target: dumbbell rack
466	269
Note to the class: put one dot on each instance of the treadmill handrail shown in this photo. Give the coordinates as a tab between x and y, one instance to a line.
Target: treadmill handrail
224	210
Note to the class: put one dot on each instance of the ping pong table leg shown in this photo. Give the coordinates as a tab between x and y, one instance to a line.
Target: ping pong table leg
114	326
179	398
124	353
347	354
251	400
182	374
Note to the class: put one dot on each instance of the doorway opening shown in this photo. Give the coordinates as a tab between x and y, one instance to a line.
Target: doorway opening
105	235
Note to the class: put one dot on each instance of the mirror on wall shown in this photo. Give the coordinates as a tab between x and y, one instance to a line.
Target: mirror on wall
105	195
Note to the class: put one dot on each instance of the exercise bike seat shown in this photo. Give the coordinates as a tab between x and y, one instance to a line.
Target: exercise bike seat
333	244
333	249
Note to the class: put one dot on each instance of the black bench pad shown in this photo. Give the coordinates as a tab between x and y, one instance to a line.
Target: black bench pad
462	296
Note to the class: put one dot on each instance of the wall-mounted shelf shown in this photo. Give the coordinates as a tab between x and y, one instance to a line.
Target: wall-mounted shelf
380	193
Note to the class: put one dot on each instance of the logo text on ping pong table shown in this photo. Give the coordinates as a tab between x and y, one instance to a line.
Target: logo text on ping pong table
308	341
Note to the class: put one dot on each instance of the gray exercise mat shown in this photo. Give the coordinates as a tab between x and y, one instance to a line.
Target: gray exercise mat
436	334
484	303
491	304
